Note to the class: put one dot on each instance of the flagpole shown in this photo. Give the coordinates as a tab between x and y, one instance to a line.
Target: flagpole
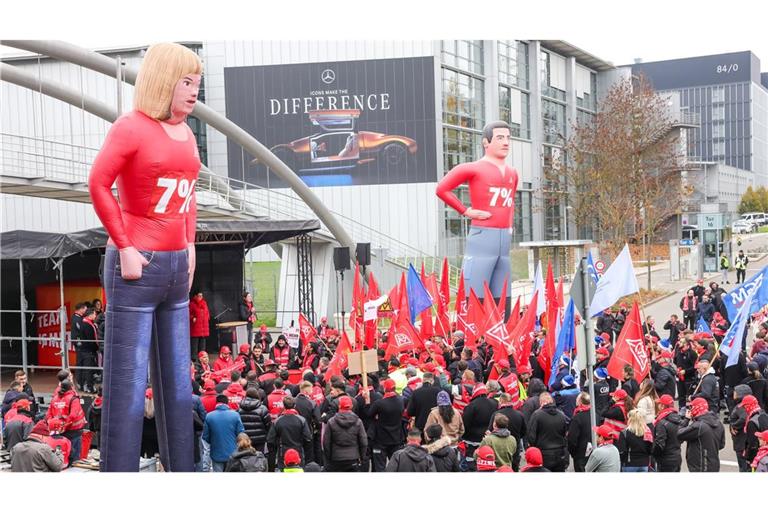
589	344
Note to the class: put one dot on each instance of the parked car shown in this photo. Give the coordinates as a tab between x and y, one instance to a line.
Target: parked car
757	218
743	226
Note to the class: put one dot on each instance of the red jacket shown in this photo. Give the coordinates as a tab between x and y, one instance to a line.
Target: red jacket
66	446
13	415
68	408
199	319
220	365
235	393
208	398
281	356
275	403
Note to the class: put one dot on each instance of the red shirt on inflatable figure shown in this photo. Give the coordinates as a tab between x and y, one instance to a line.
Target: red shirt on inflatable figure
151	155
492	188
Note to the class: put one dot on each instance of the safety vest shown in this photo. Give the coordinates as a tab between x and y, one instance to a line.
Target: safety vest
740	262
724	262
280	355
461	400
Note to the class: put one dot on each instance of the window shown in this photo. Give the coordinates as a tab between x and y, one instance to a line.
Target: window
584	118
513	63
586	88
718	130
460	146
553	122
463	99
718	94
523	231
718	149
515	110
464	54
553	218
718	112
552	75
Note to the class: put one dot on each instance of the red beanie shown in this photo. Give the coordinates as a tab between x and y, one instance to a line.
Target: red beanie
699	406
291	457
345	403
389	385
619	394
244	348
750	404
41	428
486	459
22	404
504	363
523	369
666	400
533	456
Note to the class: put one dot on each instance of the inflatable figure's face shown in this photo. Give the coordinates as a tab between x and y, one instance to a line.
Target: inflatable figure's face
499	145
184	97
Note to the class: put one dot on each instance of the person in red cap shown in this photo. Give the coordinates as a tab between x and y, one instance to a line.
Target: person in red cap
387	418
616	415
263	338
18	423
56	440
705	437
666	446
65	404
199	322
760	463
486	459
203	368
235	393
292	462
34	455
208	397
757	421
223	365
605	457
345	442
664	374
290	430
534	461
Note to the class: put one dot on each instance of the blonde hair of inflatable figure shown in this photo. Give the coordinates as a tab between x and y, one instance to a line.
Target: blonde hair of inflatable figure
163	66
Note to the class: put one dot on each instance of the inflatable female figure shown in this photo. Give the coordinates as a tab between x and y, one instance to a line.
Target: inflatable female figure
150	260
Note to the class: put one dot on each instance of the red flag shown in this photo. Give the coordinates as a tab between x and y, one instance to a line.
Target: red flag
373	288
475	320
358	300
462	313
403	291
502	304
551	292
522	341
560	295
427	329
307	332
430	283
630	349
445	287
340	359
402	337
496	332
514	317
387	309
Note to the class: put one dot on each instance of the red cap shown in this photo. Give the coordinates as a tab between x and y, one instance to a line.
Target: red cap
225	350
244	348
404	359
486	459
55	425
762	435
209	385
699	406
263	327
413	361
603	351
606	337
291	457
750	404
430	367
202	354
269	362
666	400
389	385
619	394
534	457
605	431
523	368
345	403
504	363
41	428
666	354
22	404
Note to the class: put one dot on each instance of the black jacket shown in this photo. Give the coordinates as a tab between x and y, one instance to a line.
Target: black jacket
445	457
635	451
579	435
547	429
256	420
759	389
531	405
411	459
387	421
685	360
710	391
602	398
705	436
674	331
309	410
516	424
345	438
246	461
738	420
756	423
665	381
477	414
631	387
421	403
666	446
604	324
289	431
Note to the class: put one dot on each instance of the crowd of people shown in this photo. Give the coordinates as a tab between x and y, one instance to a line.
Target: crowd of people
447	408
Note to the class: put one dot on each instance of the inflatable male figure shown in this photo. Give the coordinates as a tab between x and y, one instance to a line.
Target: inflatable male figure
492	187
150	260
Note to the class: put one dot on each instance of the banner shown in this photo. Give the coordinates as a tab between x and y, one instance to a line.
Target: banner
47	324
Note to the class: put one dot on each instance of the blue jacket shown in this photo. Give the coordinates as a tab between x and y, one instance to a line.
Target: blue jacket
221	428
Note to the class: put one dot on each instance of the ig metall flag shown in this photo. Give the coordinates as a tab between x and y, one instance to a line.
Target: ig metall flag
731	345
702	326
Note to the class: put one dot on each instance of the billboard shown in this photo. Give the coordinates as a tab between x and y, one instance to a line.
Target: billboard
362	122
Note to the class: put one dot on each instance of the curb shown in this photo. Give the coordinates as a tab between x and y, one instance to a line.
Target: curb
659	299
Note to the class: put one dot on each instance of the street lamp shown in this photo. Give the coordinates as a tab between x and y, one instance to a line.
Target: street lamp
567	207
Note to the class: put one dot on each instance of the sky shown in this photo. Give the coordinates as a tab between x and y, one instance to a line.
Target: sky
651	30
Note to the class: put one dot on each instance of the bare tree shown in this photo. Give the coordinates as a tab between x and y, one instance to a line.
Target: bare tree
622	171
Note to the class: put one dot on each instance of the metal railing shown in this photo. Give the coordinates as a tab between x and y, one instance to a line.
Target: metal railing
30	157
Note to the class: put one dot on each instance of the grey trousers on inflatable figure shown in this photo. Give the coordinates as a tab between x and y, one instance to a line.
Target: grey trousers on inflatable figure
486	259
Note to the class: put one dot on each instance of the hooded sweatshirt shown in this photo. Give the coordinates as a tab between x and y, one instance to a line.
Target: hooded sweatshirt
411	459
444	456
504	446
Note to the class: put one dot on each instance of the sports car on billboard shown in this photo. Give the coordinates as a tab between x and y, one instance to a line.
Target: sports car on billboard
339	145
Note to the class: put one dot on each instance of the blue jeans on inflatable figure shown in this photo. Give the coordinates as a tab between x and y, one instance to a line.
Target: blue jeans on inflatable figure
147	323
486	258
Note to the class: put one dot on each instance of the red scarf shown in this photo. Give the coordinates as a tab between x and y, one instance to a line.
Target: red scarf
605	442
620	405
308	359
289	412
389	394
749	417
95	330
663	414
580	408
249	305
761	452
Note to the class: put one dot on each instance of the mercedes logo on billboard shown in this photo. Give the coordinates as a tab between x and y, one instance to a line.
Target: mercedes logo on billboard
328	76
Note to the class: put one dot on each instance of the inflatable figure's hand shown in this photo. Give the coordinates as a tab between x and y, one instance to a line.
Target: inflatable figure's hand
131	263
477	214
192	262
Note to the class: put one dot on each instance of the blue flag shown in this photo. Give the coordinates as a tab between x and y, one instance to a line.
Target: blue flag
565	341
591	268
418	298
735	298
701	326
731	345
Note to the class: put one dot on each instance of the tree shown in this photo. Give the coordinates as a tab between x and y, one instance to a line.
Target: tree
622	171
754	200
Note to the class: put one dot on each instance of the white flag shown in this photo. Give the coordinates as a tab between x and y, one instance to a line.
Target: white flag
619	280
538	286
